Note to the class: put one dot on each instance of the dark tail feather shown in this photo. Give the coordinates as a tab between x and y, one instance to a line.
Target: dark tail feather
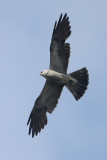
78	89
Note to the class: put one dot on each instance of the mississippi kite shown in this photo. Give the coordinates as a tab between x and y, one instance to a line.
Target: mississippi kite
57	77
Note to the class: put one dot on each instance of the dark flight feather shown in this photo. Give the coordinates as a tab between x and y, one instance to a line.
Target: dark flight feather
59	50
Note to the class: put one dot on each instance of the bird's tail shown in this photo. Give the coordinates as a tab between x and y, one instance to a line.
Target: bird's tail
78	88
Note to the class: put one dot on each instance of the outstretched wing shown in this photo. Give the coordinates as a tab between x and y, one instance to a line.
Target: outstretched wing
46	102
59	50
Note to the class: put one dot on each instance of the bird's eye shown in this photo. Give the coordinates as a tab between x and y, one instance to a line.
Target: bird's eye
41	73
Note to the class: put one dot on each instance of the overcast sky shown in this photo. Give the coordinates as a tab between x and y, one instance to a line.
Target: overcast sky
75	130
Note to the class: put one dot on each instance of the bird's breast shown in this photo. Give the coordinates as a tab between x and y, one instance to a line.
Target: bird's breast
56	77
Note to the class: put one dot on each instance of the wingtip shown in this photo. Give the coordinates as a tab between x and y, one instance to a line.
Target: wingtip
65	14
64	17
61	15
32	133
27	122
37	122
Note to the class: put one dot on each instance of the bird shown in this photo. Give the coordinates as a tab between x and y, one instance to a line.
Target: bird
57	77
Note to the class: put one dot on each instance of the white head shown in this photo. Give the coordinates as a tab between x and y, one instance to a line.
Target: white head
44	73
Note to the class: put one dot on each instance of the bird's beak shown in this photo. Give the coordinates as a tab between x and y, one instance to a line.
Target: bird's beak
41	73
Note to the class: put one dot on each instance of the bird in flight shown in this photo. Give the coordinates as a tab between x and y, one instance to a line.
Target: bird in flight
57	77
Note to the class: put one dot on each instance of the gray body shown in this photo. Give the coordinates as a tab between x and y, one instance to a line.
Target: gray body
58	78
